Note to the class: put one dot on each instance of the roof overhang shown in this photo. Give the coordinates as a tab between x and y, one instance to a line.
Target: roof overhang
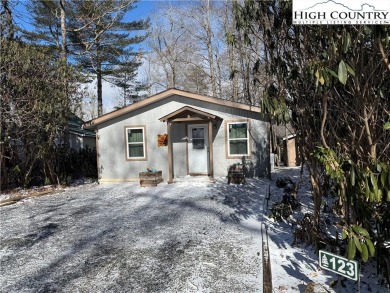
188	114
162	95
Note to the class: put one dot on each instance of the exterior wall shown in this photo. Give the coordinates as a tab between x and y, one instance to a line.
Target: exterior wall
77	142
291	158
90	142
114	167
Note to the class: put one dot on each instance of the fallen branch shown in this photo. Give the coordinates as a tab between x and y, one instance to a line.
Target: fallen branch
15	199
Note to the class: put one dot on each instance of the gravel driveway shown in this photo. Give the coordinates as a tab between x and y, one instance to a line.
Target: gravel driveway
181	237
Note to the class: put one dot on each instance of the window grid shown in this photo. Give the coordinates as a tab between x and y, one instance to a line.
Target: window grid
135	143
244	139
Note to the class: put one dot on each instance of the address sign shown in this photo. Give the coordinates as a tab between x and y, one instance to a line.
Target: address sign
339	265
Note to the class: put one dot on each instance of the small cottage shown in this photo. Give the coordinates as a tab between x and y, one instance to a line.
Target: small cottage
180	133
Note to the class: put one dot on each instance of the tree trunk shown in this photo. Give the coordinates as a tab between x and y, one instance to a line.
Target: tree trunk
63	30
316	186
372	146
219	83
173	80
234	82
64	59
232	57
244	69
99	89
210	49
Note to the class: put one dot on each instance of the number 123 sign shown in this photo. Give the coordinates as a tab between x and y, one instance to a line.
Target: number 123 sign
339	265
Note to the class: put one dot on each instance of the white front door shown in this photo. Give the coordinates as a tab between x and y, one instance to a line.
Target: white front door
198	146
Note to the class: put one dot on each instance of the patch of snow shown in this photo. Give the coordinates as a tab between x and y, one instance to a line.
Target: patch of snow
190	236
295	266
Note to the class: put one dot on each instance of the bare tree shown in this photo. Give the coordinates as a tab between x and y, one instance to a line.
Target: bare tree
172	53
190	49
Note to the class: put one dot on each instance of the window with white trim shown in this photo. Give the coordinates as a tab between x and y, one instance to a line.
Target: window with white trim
238	139
135	143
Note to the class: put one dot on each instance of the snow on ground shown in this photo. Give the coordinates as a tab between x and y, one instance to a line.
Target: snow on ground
181	237
294	266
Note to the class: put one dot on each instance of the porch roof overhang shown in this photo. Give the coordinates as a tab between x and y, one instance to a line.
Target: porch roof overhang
188	114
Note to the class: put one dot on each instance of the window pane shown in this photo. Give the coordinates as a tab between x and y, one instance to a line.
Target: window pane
238	130
136	150
198	132
238	147
198	143
135	135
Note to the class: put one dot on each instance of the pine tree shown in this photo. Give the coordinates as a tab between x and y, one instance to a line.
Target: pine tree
94	34
49	18
46	19
103	46
324	261
124	79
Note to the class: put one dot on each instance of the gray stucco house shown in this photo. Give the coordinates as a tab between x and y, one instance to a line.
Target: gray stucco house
180	133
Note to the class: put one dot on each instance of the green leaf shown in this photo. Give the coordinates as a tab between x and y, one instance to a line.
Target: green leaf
372	196
373	180
346	42
388	196
286	117
361	231
342	73
334	48
343	234
332	72
364	252
357	243
374	183
379	195
383	178
367	189
351	249
350	69
370	246
16	169
386	126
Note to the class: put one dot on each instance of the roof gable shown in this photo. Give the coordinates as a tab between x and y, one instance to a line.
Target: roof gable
163	95
189	113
